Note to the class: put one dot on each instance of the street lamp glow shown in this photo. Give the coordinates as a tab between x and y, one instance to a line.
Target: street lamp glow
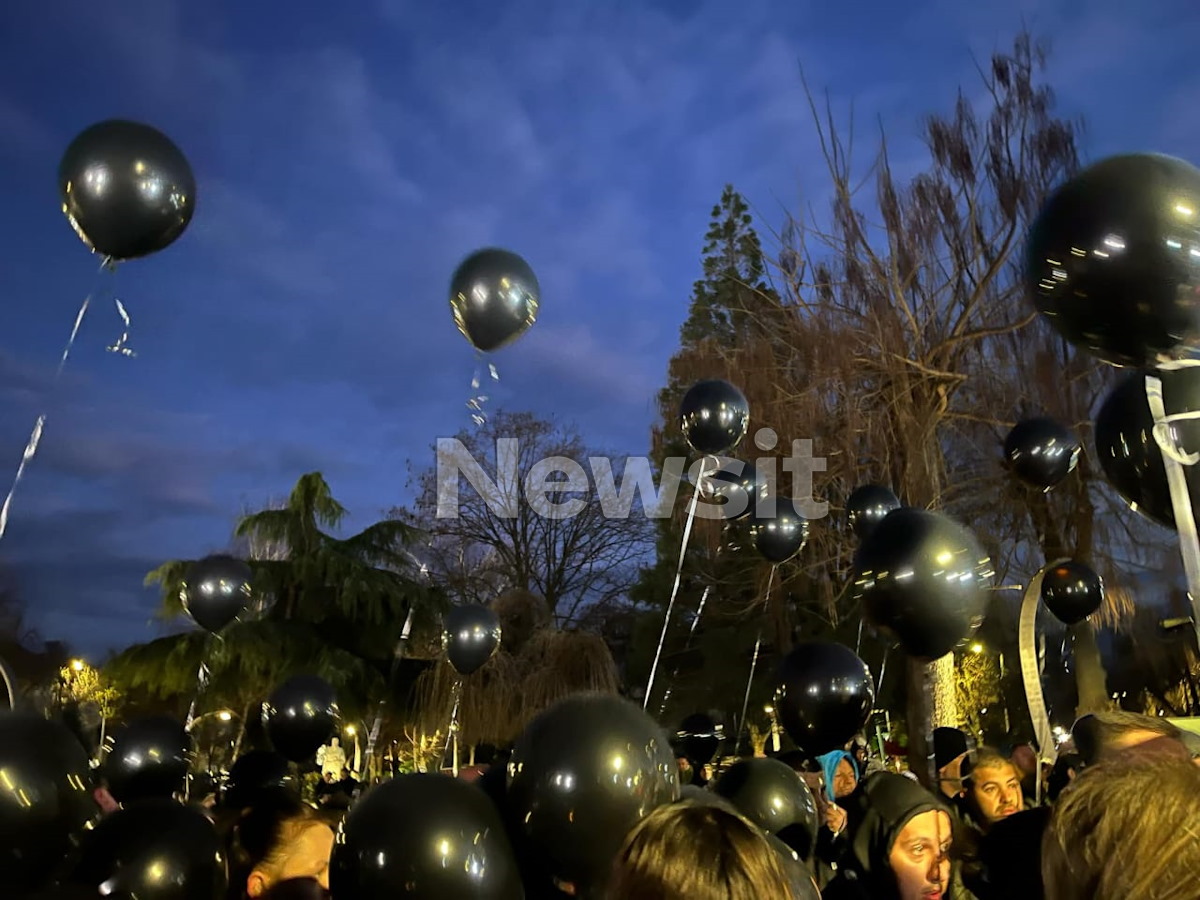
77	665
224	715
769	710
350	730
977	648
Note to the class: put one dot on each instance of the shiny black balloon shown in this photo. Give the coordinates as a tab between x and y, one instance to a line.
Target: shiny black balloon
735	489
1042	451
773	796
1113	258
126	189
424	836
824	695
922	579
698	738
1072	591
45	799
582	774
778	530
494	297
216	590
470	635
715	416
253	774
155	850
1127	451
301	716
149	759
867	507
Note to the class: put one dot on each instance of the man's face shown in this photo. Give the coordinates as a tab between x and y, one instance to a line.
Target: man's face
996	791
920	858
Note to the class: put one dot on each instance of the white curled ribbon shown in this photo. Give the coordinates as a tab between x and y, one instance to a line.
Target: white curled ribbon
475	404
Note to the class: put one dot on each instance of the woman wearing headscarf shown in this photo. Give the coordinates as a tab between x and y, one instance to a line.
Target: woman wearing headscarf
839	780
899	848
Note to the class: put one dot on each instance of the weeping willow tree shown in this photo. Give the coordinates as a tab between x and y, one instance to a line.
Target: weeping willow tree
329	605
536	666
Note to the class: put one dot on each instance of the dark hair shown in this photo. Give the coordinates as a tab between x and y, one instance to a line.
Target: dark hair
1060	775
296	889
262	831
984	758
1097	734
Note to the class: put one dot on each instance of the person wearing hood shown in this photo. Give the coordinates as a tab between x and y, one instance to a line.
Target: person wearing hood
900	848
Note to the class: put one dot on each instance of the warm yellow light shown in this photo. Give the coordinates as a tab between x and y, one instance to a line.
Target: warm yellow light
224	715
77	665
350	730
768	709
977	648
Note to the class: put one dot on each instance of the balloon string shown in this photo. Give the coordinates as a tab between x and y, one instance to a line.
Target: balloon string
35	436
1181	502
453	729
686	646
475	404
882	670
9	685
683	546
754	661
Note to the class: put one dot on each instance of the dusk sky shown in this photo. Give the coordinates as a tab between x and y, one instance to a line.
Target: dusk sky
348	156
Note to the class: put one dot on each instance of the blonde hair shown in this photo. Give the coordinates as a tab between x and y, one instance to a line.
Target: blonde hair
1128	828
689	851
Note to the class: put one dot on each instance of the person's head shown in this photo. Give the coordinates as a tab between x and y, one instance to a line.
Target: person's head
334	742
280	838
1025	758
686	851
1066	767
901	846
993	786
950	746
1100	736
1126	828
841	776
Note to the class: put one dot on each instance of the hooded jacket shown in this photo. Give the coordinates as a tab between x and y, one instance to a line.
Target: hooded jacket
887	803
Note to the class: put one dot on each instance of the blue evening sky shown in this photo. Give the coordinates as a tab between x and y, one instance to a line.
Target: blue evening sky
349	155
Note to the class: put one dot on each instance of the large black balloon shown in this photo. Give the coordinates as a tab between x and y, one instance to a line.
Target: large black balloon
698	738
470	635
494	297
149	759
715	416
867	507
922	579
126	189
736	487
1042	451
1072	591
301	716
773	796
45	799
824	695
155	850
254	774
1125	445
216	590
424	836
1111	259
582	774
779	533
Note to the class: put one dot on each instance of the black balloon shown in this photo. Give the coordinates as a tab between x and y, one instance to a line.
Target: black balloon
148	759
424	836
46	802
155	850
126	189
698	738
714	416
779	530
582	774
824	695
736	487
1042	451
470	635
1072	591
494	297
773	796
867	507
1111	259
301	716
922	579
254	774
1125	446
216	590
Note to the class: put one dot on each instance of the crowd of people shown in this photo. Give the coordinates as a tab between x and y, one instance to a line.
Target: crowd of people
1117	816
